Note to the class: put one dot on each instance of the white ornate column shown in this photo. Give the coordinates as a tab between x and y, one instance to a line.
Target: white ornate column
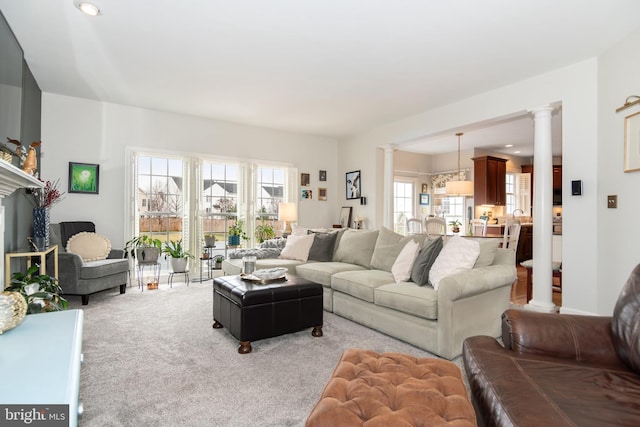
387	196
542	212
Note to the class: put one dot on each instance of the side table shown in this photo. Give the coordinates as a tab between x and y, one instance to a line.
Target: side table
28	254
155	270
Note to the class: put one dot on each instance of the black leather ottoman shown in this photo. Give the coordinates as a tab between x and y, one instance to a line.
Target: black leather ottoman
254	311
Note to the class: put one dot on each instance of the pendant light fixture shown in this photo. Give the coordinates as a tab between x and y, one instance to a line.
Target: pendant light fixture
459	187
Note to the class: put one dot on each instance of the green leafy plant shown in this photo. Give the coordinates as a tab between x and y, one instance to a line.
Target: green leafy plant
264	231
174	249
218	259
237	229
40	291
141	242
455	223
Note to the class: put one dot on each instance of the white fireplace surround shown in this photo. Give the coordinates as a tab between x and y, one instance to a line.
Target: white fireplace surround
11	178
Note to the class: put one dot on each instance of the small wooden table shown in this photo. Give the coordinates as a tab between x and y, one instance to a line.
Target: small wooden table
28	254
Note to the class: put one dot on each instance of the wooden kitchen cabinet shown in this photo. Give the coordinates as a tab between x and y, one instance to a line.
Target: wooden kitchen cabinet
525	243
489	180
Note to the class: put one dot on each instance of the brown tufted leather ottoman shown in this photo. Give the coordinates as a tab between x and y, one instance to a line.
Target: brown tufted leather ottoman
393	389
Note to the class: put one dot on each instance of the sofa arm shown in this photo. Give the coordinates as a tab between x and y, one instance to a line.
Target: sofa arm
116	254
69	266
476	281
581	338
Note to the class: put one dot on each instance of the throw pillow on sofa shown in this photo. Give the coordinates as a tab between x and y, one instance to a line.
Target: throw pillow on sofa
457	255
322	248
426	257
388	246
401	268
90	246
297	247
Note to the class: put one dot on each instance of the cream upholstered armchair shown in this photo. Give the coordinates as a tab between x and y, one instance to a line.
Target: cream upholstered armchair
90	265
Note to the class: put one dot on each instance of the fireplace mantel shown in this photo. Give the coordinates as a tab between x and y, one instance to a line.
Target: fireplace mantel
12	178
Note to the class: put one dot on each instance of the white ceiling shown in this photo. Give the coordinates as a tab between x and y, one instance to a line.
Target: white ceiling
330	67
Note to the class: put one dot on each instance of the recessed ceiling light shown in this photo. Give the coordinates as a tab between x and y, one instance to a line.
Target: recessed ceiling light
508	145
516	152
89	8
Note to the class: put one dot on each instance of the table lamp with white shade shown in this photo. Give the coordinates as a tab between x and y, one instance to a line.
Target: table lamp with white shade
287	212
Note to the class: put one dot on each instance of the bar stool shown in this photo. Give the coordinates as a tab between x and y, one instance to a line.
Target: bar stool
556	268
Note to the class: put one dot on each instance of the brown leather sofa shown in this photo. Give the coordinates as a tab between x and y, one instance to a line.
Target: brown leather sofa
560	370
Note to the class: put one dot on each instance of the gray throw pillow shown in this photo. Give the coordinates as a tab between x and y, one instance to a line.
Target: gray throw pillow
388	247
322	247
424	261
356	247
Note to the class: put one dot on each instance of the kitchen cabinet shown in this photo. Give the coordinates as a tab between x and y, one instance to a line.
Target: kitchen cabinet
489	180
557	185
529	169
557	182
525	243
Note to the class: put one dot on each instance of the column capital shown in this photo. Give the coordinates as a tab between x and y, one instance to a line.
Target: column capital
541	109
390	147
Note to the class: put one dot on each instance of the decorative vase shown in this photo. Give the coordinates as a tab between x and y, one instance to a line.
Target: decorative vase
41	227
13	308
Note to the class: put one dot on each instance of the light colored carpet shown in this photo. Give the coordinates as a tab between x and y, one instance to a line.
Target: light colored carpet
152	359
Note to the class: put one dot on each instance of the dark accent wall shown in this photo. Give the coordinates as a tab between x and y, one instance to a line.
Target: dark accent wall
18	209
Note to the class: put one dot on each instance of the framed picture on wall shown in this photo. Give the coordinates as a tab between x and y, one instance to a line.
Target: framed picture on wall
322	194
424	198
84	178
322	176
632	143
353	185
305	179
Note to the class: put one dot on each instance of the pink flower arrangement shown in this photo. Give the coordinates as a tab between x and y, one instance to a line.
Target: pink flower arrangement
47	196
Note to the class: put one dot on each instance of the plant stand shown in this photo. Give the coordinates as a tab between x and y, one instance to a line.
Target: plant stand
155	270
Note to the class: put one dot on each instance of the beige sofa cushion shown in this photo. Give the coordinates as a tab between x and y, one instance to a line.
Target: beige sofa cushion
356	247
408	297
321	272
360	284
388	246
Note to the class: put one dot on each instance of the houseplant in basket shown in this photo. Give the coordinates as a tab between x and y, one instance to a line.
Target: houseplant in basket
236	232
179	256
145	248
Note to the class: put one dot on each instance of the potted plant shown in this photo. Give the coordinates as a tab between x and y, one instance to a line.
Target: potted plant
40	291
218	262
455	225
236	232
145	248
179	256
209	240
264	231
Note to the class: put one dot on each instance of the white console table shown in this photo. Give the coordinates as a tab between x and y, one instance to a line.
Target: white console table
40	362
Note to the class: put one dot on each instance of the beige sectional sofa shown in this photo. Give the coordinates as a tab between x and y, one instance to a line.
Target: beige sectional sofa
359	285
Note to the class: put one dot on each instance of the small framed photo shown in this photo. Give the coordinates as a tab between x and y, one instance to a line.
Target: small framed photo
345	217
305	179
425	188
84	178
353	185
322	194
424	198
306	194
632	143
322	176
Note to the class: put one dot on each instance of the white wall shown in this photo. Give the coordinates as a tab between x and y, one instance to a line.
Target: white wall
618	230
80	130
575	87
